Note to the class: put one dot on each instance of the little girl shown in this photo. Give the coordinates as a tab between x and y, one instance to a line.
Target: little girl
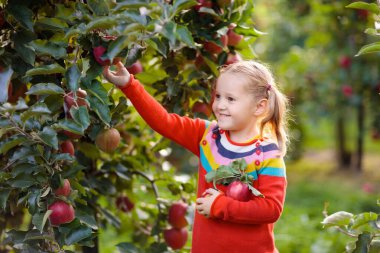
250	113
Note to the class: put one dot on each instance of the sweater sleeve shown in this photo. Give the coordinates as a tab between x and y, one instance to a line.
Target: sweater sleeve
271	182
185	131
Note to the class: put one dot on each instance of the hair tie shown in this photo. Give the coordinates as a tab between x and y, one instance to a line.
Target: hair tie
269	87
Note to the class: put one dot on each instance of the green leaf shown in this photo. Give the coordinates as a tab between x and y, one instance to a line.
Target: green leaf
248	31
159	46
78	234
212	65
11	143
184	35
49	136
372	7
69	125
132	4
37	109
363	242
116	46
51	24
255	192
81	116
115	221
179	5
86	215
22	181
101	23
99	101
22	14
126	247
5	77
370	48
36	235
134	54
45	89
34	200
46	70
363	219
44	47
39	220
72	76
4	195
169	32
21	41
210	176
341	218
99	7
372	31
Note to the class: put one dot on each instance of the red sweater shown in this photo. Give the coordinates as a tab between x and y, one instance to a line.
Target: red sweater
233	226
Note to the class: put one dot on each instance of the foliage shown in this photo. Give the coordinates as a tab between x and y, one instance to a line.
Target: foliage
47	58
375	10
364	226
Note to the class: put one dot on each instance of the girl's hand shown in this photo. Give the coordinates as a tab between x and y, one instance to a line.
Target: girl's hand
120	77
203	205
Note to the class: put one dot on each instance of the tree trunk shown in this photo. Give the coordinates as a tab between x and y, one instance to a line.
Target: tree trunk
344	156
360	139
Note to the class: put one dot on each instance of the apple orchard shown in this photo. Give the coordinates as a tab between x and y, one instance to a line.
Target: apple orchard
75	156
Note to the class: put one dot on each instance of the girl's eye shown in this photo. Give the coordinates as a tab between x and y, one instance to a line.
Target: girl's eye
230	99
217	96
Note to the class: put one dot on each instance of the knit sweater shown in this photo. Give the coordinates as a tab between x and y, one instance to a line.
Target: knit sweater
232	226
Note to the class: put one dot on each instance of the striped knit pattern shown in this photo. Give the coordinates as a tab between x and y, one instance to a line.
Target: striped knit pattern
217	150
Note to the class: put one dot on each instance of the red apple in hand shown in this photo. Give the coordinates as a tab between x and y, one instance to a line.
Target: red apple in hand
176	215
124	204
135	68
238	191
175	238
108	140
67	147
64	190
61	213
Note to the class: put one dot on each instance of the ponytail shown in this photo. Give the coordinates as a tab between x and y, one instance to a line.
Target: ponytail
276	118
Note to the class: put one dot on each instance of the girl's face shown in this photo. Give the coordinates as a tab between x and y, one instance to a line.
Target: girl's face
234	107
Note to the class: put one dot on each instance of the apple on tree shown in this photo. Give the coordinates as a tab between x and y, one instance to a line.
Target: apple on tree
345	62
99	51
175	238
177	215
79	100
200	107
124	204
67	147
233	38
213	47
64	190
108	140
61	213
135	68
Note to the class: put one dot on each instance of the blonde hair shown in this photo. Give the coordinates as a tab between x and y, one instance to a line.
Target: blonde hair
261	85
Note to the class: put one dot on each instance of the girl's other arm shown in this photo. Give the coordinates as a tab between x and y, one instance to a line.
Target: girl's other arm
272	183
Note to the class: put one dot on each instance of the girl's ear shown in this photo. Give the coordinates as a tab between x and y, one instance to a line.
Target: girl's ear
261	107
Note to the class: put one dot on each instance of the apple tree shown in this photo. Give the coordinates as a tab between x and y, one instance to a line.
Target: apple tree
75	157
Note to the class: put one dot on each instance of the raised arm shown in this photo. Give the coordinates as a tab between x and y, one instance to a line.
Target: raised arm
185	131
